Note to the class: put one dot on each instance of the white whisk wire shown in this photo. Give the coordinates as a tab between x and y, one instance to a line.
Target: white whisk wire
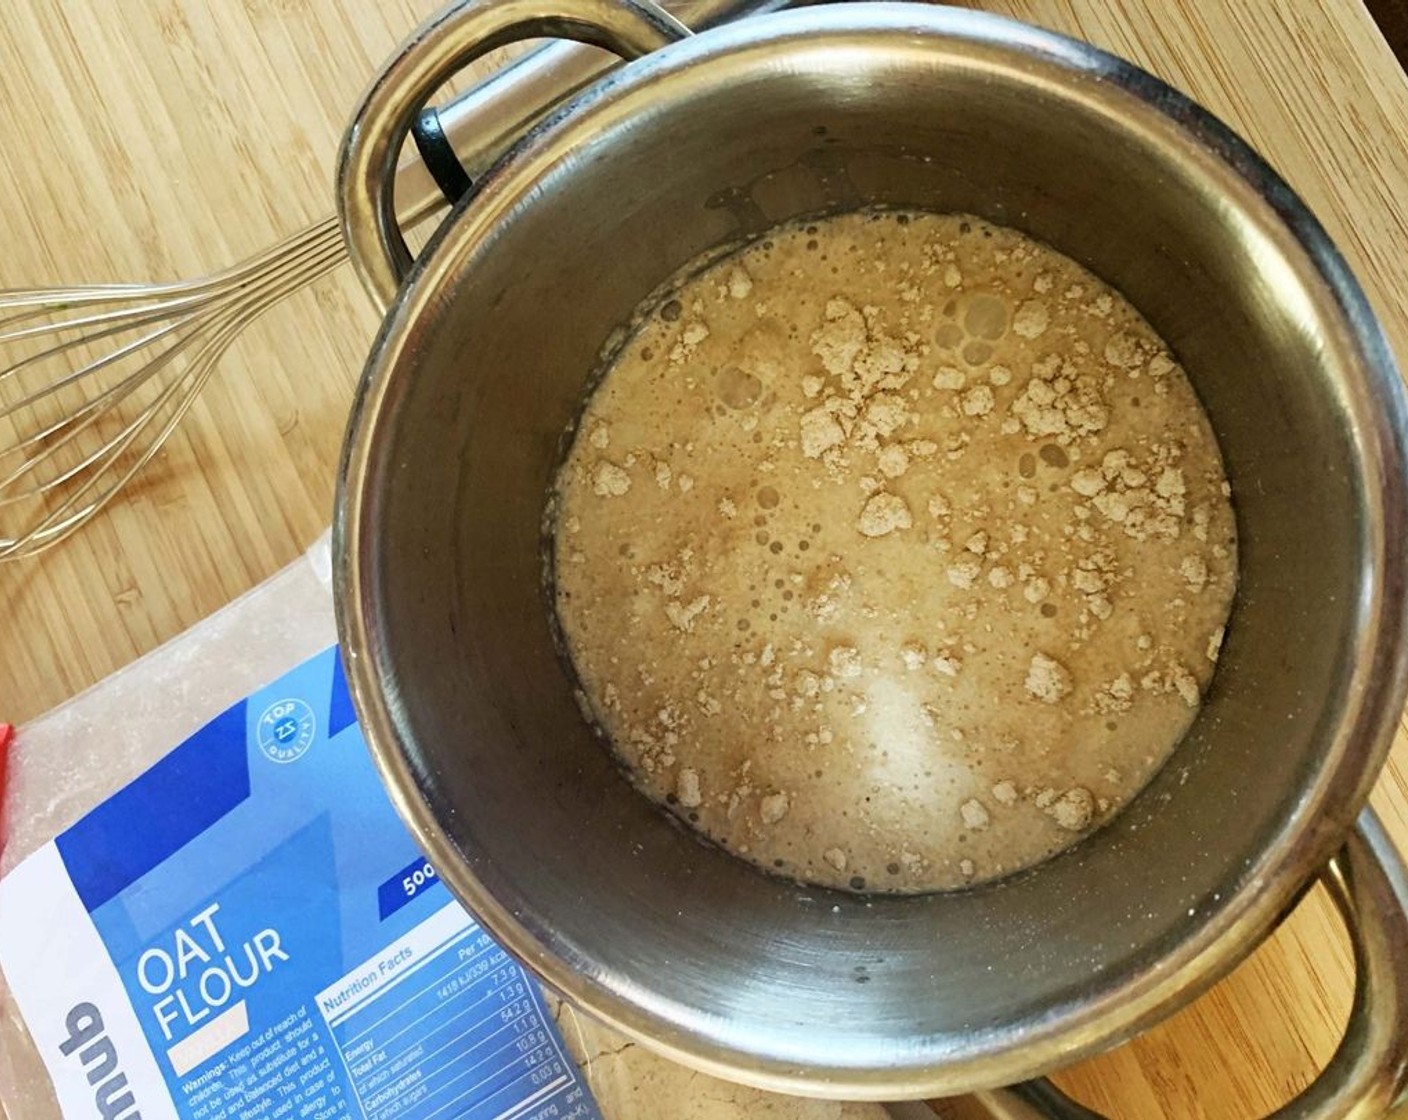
186	327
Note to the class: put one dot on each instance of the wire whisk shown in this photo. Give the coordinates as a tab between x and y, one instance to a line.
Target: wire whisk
111	370
94	379
98	377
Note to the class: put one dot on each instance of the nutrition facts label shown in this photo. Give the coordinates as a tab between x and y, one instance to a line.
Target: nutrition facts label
443	1025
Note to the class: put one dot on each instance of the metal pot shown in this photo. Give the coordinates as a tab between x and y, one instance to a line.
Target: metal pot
481	366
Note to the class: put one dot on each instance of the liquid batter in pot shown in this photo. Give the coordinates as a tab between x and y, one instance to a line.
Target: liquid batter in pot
893	552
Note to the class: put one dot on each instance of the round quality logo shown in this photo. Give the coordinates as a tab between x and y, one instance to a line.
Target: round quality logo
286	730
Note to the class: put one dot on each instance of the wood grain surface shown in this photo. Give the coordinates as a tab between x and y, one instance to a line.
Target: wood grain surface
155	139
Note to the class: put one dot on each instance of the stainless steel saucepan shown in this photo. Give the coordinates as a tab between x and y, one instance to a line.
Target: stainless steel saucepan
488	343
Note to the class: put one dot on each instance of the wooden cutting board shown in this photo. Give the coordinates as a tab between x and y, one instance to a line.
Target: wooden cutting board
165	138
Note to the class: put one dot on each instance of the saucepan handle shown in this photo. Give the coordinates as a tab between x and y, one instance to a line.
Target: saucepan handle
1369	1071
444	45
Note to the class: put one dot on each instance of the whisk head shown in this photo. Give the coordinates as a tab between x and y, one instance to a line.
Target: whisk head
93	380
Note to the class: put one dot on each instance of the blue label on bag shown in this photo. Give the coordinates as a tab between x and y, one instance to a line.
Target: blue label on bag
247	932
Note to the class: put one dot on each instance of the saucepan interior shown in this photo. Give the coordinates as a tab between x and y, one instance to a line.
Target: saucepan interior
484	365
